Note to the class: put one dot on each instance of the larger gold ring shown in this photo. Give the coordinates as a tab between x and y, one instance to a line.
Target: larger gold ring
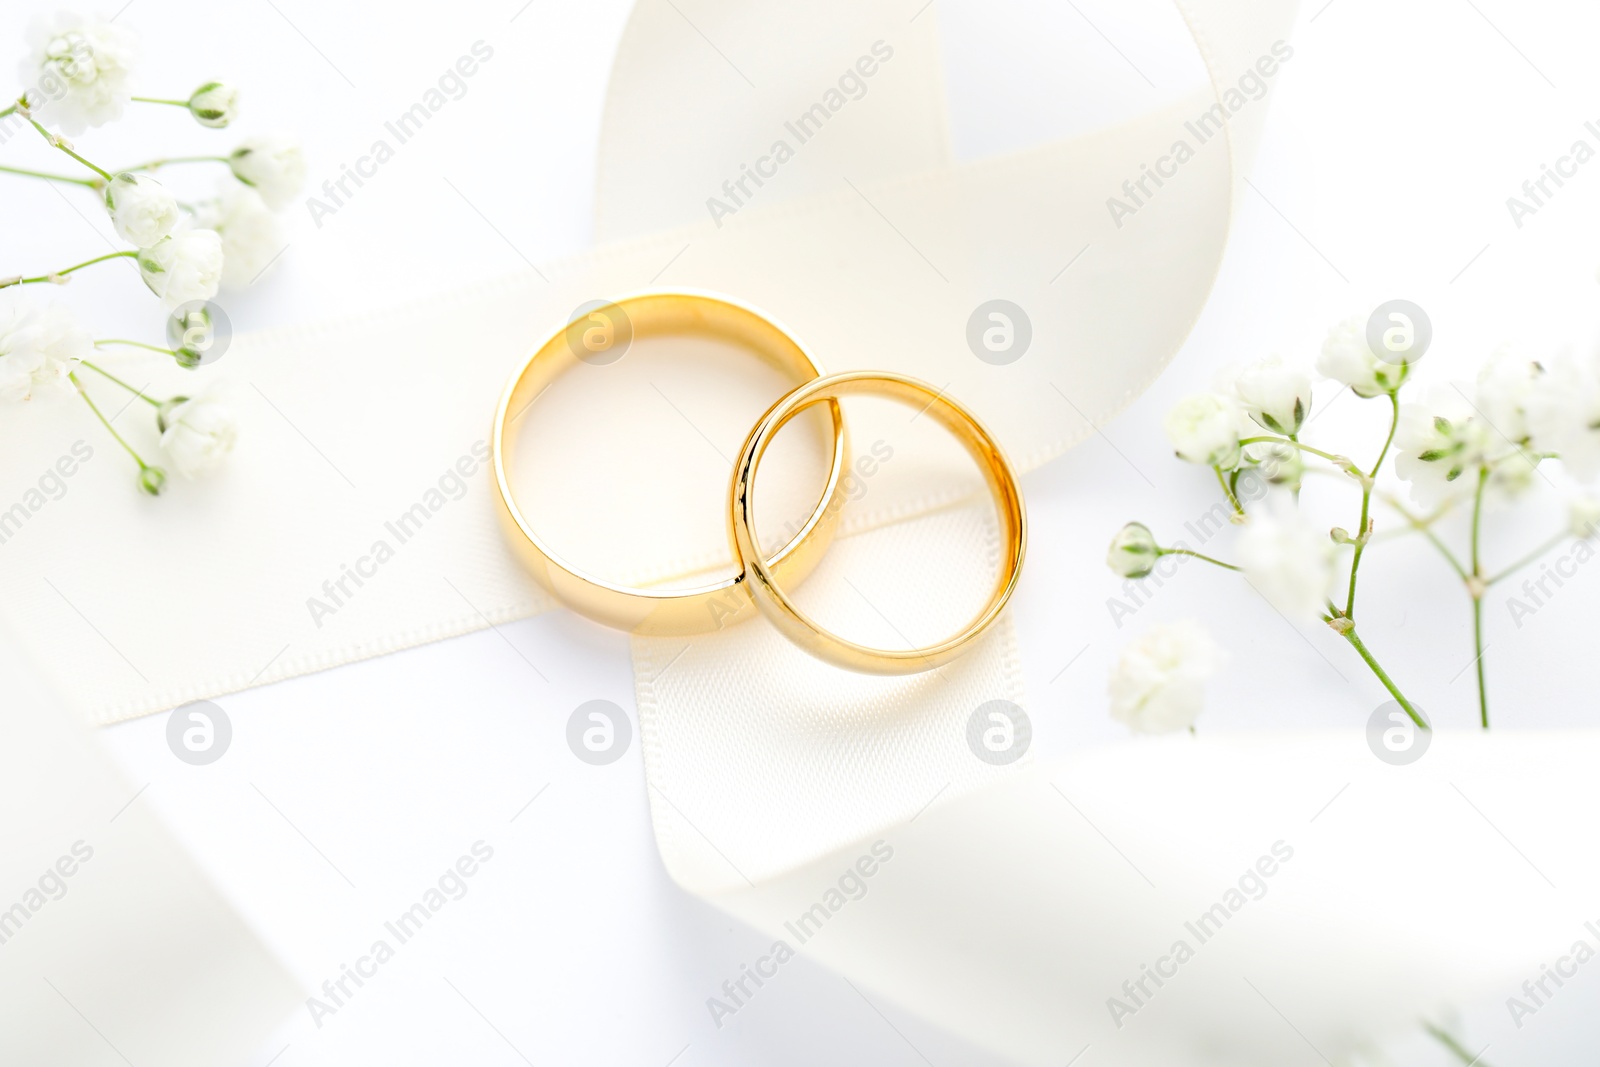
764	584
643	610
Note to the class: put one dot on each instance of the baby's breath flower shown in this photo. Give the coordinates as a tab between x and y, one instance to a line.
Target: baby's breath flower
39	348
1563	414
77	69
272	165
214	104
1505	387
184	266
1275	394
141	208
1133	551
249	231
1584	516
1287	559
196	433
1204	429
1158	683
1437	443
1346	358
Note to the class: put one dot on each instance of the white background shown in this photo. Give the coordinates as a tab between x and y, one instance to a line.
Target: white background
1396	134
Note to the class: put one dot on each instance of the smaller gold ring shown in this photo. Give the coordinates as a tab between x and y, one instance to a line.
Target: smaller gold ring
769	596
673	611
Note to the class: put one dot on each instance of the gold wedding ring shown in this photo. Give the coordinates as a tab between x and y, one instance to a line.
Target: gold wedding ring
764	580
597	337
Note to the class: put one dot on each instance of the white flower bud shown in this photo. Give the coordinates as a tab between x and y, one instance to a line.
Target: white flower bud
142	210
1204	429
1346	358
1287	559
1158	683
214	104
250	239
196	434
152	480
1133	551
1276	395
274	166
1584	515
182	267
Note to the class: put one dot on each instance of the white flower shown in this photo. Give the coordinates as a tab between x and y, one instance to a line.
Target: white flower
142	210
38	349
1563	413
1287	559
184	266
214	104
1204	428
1158	683
76	71
1440	444
1584	516
1272	463
249	232
274	165
1346	358
1506	386
1133	551
1275	394
197	433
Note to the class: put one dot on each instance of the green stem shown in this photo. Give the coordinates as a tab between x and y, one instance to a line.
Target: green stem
63	273
156	164
1227	491
1338	461
8	112
107	423
1383	676
58	142
135	344
1424	527
1196	555
1529	558
1454	1046
90	182
136	392
1363	533
158	100
1476	588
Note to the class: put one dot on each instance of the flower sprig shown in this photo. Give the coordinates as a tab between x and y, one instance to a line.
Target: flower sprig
1457	449
78	74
